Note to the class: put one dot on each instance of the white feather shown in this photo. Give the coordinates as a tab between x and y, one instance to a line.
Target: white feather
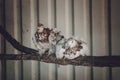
84	51
72	45
60	49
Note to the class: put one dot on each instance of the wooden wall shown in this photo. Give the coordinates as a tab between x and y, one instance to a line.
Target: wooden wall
87	19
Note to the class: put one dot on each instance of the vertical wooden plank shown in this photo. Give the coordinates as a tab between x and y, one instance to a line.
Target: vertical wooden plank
99	36
86	24
46	16
115	35
64	24
81	12
43	17
10	28
16	24
26	37
29	23
69	32
33	19
60	14
43	11
51	24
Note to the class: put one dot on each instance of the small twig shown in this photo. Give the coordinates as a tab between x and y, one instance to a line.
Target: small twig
99	61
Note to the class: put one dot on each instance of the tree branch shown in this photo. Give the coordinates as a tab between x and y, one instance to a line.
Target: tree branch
15	43
98	61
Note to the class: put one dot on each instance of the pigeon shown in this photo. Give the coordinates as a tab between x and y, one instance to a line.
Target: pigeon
75	48
70	48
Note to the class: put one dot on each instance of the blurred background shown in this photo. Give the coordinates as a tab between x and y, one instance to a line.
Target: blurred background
97	22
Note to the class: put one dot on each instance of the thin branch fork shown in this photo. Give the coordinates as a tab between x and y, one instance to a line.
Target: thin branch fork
31	54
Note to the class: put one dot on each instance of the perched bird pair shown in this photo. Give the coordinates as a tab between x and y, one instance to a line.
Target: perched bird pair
51	40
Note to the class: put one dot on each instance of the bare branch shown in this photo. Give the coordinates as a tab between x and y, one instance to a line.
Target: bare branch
97	61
